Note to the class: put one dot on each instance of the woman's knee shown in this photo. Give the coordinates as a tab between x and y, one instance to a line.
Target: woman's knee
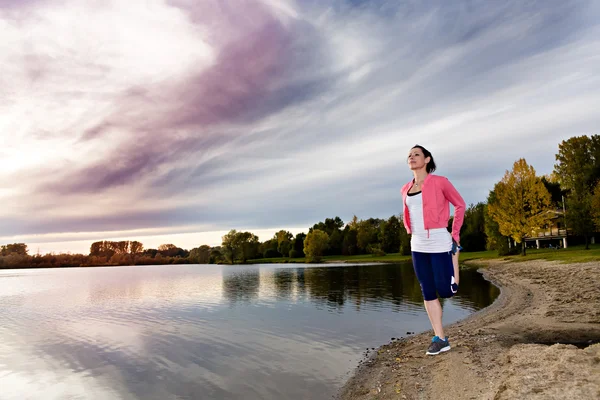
448	289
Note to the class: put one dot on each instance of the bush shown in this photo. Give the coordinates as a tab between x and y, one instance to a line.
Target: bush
271	253
510	251
375	250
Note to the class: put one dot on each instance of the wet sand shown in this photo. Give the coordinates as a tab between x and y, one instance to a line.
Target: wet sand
539	340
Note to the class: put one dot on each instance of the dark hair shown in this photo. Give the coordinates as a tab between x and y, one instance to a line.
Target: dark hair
431	164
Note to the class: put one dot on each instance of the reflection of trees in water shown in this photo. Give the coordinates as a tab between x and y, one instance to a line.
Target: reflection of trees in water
283	280
479	292
395	283
241	285
334	287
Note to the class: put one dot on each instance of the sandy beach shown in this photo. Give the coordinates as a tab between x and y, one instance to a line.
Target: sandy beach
539	340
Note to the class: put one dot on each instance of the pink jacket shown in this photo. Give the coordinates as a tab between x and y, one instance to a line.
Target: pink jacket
437	192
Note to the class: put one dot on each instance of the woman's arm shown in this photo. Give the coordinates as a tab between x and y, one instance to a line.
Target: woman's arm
457	201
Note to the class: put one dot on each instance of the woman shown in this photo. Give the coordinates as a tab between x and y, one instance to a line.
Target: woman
434	251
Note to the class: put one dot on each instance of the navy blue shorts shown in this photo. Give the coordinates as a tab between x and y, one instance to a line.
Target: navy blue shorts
435	273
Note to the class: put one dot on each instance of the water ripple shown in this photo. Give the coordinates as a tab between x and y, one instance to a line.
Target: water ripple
187	332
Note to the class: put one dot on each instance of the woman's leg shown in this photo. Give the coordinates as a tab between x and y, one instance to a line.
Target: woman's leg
434	311
443	276
456	266
423	265
446	285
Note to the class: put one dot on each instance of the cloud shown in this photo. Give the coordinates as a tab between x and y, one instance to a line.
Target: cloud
258	114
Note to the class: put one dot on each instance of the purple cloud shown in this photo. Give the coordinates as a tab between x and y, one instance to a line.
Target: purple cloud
251	78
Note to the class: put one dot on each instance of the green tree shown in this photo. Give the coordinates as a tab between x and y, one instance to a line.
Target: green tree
390	235
333	228
239	246
522	204
350	243
554	189
578	163
268	249
249	245
284	242
405	249
336	242
368	233
216	256
299	244
596	206
229	246
315	244
330	225
472	233
578	171
200	255
580	215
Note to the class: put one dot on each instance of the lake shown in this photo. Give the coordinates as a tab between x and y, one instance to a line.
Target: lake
270	331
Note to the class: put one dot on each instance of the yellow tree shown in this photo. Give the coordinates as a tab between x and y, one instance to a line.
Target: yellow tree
315	244
522	203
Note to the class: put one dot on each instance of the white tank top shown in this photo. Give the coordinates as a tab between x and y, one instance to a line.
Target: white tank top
437	240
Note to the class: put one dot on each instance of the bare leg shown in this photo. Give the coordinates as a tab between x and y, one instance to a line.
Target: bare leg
434	311
455	264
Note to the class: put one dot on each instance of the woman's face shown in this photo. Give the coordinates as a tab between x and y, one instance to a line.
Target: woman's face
416	159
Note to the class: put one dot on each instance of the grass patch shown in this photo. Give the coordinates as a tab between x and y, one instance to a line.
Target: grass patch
574	254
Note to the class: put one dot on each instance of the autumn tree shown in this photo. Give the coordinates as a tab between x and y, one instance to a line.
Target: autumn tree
578	171
103	248
135	247
494	239
169	250
522	203
14	248
315	244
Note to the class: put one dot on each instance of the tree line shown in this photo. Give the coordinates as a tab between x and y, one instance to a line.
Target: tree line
520	205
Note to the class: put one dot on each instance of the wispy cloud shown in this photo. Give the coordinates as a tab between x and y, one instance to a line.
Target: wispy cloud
271	113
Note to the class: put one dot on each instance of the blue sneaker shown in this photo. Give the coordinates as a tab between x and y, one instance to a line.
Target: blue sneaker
438	346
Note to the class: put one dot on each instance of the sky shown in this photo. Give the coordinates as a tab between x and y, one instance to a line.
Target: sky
174	121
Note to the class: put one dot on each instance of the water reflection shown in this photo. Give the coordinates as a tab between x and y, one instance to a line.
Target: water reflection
334	286
209	332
